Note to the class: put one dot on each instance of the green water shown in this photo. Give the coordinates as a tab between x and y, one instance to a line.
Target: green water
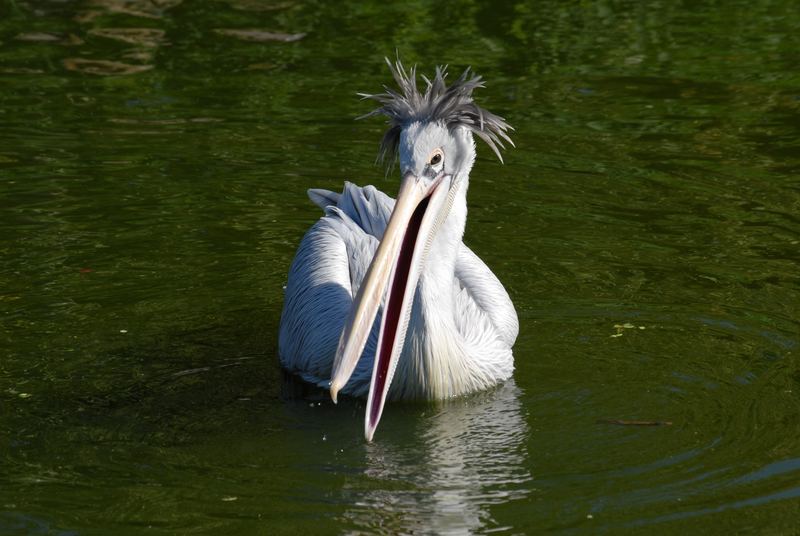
153	168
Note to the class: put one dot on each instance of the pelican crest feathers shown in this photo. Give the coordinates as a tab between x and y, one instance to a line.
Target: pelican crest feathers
452	105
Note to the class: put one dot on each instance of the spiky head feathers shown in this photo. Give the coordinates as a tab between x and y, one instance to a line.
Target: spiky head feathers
450	105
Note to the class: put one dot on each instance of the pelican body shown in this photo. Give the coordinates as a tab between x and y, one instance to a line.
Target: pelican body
445	324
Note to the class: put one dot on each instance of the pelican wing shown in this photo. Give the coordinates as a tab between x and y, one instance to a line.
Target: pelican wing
488	294
328	269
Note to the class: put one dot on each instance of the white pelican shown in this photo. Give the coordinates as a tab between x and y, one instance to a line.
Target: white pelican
446	324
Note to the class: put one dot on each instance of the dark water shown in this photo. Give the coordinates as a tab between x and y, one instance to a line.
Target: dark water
154	159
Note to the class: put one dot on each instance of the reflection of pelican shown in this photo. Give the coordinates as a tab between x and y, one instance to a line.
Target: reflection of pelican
469	455
449	324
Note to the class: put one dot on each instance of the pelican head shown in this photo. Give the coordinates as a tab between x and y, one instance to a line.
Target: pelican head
432	134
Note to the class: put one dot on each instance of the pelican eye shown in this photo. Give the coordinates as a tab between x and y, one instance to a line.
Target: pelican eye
436	159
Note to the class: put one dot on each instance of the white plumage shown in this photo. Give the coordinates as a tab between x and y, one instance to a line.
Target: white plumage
327	270
451	324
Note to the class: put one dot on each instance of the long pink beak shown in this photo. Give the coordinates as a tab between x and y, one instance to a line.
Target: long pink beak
397	265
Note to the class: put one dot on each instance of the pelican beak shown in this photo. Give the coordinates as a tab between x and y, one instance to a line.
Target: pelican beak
397	265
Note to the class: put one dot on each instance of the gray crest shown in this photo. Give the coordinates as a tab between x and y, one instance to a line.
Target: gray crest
452	105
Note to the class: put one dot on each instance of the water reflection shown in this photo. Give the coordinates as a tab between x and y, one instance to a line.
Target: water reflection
150	9
145	37
103	67
260	36
467	455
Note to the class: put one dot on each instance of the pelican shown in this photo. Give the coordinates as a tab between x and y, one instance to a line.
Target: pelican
446	324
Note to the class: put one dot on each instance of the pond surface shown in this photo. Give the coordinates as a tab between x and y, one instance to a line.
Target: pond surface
154	158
